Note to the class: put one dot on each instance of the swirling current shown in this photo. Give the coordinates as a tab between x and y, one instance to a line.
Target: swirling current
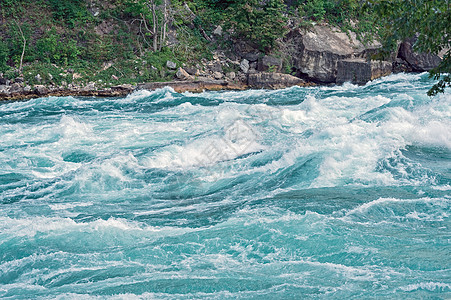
338	192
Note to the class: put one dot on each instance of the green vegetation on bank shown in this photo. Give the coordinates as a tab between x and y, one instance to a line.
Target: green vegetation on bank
128	41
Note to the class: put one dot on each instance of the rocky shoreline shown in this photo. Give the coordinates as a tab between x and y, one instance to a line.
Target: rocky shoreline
321	55
258	80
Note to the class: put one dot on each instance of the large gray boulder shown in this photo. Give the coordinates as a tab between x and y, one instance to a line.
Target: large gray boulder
418	61
269	63
360	71
317	51
266	80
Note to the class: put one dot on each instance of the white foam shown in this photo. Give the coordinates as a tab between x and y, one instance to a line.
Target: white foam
366	206
167	91
64	206
430	286
31	226
72	128
238	139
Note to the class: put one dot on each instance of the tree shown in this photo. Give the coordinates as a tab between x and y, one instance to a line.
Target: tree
155	12
259	22
23	48
430	20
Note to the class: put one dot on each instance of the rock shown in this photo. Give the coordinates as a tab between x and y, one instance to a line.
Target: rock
252	56
19	80
89	87
269	63
76	76
38	78
360	71
244	65
418	61
318	51
183	75
215	67
399	65
171	65
40	90
123	87
27	89
16	88
50	76
273	80
4	89
191	70
218	30
218	75
231	75
4	81
114	77
107	65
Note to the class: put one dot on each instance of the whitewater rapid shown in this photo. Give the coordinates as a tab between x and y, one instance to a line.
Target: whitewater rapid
319	192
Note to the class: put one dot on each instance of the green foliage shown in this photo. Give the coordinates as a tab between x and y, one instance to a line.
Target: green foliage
259	22
15	41
4	55
53	48
49	73
70	11
429	20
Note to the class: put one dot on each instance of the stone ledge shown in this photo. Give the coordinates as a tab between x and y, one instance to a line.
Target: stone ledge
360	71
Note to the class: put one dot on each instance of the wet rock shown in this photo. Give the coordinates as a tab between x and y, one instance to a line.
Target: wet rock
273	80
269	63
360	71
399	65
171	65
418	61
244	65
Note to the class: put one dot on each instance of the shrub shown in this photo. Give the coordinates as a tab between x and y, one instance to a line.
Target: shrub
53	48
4	56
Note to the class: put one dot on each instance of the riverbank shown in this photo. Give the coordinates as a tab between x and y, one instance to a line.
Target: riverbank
17	91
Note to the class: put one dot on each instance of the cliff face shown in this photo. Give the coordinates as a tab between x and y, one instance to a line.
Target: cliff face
318	51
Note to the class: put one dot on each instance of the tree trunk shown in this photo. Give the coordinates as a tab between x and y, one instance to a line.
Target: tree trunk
166	5
23	48
155	26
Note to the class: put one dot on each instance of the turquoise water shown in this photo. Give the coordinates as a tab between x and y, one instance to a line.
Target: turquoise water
322	192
